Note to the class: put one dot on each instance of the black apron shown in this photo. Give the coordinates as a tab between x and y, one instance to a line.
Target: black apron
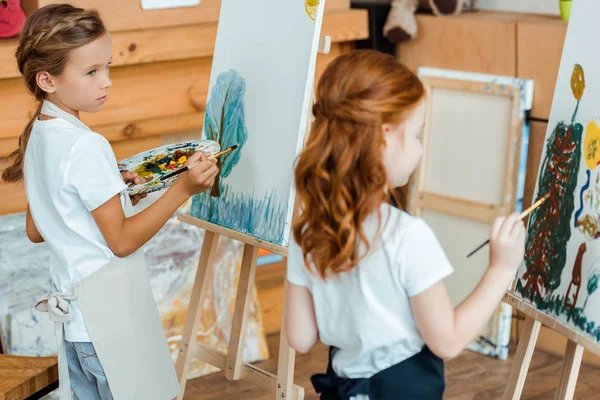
420	377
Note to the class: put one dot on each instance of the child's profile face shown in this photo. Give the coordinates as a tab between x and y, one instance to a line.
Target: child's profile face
403	147
84	82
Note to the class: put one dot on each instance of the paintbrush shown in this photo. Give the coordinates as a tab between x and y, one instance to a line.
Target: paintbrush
523	215
188	167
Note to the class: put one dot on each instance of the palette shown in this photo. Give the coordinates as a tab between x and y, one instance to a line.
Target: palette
153	164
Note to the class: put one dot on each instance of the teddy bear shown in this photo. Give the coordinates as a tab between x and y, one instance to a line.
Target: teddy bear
401	24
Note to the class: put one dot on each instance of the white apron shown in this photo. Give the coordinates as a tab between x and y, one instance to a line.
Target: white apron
122	320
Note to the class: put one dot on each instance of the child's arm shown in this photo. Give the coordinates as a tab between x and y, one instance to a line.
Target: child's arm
447	331
32	233
124	236
300	321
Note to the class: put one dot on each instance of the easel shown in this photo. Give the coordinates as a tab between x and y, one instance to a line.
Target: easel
528	337
281	385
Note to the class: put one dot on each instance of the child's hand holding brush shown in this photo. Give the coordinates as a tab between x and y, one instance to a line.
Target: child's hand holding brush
507	243
199	178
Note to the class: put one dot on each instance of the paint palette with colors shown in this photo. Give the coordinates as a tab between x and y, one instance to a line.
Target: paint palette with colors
153	164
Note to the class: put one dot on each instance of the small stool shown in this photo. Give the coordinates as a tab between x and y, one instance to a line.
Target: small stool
27	377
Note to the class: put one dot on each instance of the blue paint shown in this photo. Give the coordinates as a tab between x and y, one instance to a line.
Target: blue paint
263	218
583	189
269	259
224	117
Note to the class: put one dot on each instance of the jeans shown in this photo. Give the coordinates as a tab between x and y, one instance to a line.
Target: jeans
88	381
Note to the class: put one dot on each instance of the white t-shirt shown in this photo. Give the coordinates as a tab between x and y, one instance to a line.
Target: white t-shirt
365	312
69	172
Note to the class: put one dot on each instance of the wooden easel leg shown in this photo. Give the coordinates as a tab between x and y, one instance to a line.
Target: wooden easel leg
570	371
201	282
287	357
243	301
516	380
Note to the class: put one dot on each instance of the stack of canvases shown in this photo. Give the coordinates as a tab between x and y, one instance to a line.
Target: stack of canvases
172	257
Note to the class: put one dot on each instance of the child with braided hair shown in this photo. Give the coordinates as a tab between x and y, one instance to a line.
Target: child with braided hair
110	337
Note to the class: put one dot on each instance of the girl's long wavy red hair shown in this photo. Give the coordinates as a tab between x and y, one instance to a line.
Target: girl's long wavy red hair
340	176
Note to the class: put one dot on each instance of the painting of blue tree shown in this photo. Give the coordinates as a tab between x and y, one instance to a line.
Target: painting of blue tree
224	122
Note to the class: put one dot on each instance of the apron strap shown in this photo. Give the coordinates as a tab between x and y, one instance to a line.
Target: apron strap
59	310
420	377
52	110
332	387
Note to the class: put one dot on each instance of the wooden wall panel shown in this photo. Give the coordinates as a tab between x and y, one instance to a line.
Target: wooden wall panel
153	90
122	15
189	41
8	62
539	50
475	42
138	92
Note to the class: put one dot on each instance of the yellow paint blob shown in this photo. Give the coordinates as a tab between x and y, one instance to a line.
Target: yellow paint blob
591	149
311	7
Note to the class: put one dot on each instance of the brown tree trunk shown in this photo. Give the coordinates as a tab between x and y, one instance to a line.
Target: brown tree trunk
215	191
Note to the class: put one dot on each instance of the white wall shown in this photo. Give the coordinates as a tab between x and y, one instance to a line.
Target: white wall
526	6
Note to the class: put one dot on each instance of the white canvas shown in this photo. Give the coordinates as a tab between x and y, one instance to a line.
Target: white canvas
463	125
160	4
562	261
265	56
476	178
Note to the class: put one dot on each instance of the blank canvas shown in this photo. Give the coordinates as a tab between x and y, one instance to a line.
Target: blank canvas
468	120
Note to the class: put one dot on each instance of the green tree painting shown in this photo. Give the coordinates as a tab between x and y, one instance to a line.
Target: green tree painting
549	225
224	122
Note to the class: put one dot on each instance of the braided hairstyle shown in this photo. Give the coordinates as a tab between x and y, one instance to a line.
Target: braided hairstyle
340	176
46	40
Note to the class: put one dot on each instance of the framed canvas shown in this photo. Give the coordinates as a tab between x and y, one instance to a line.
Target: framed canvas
473	170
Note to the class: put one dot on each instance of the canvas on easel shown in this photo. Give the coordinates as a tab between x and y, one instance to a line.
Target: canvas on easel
472	171
260	95
258	98
557	284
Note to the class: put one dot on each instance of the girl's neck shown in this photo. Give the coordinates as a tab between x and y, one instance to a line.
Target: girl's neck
52	98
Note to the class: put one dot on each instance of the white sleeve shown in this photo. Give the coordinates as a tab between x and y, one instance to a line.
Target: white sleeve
296	269
93	171
423	262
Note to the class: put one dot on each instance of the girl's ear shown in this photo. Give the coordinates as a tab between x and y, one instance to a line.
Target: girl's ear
46	82
386	129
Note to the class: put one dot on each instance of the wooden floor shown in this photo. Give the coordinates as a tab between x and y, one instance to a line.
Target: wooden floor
469	376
